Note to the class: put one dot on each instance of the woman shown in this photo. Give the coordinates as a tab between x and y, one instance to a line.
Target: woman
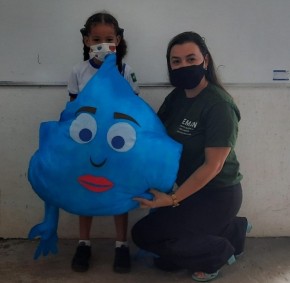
196	227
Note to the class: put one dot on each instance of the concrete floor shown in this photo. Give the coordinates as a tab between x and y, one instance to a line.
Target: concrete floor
265	260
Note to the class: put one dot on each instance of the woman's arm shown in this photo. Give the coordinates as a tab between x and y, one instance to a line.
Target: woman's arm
214	161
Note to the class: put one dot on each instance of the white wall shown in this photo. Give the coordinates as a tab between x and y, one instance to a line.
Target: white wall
262	150
248	39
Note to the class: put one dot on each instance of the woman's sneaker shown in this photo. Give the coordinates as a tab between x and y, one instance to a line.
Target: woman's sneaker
238	254
81	259
204	277
122	261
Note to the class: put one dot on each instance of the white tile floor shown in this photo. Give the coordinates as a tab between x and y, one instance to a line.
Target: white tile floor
265	260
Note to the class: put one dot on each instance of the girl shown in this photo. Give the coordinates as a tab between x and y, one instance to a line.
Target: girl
101	36
196	227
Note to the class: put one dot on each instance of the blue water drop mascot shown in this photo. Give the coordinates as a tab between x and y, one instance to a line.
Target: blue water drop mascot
107	148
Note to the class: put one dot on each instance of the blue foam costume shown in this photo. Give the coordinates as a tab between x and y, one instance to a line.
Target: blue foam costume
108	147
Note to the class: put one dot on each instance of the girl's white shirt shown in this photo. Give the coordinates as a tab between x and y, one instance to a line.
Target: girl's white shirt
84	71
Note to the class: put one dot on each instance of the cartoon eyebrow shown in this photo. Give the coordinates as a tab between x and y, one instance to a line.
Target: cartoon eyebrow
87	109
118	115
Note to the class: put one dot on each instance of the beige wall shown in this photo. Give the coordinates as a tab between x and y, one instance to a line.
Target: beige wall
262	149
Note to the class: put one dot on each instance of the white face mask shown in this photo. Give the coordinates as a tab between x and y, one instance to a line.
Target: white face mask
100	51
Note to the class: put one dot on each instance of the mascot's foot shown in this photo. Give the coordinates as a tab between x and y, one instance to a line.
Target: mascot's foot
81	259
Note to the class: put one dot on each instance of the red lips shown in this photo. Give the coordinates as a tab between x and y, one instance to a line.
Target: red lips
95	184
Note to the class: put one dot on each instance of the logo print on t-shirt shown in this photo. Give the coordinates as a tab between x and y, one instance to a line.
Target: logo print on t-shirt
186	127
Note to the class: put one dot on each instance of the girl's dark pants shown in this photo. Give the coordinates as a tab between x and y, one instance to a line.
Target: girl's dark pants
201	234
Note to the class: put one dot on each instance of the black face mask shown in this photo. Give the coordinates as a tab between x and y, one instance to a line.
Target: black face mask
187	77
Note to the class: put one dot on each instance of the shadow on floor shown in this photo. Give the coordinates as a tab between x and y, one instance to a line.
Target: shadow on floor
265	260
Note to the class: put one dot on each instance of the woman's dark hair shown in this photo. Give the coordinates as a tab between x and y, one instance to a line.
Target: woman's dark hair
190	36
105	18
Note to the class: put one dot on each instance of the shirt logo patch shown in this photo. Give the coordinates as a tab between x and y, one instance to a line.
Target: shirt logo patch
186	127
133	76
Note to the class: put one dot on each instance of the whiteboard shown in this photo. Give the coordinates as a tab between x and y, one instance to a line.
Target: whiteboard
40	40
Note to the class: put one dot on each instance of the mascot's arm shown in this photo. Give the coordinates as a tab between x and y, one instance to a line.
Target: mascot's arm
47	232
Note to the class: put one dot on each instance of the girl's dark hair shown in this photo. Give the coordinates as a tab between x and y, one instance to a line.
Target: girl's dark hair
190	36
105	18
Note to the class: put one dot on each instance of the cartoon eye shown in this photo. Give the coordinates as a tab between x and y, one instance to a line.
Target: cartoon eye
83	129
121	137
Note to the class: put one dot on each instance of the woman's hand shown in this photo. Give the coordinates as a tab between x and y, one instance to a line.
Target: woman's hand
159	200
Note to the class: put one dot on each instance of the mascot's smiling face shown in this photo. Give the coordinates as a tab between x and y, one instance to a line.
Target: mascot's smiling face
121	138
108	147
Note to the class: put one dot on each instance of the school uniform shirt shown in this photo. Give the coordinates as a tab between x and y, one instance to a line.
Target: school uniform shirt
84	71
208	120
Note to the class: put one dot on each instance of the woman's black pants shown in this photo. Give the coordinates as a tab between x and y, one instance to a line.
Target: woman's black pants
200	235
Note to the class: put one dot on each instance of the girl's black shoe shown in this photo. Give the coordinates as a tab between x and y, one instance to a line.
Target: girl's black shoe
122	261
81	259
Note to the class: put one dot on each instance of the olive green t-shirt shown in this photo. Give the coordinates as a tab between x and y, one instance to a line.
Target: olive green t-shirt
208	120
